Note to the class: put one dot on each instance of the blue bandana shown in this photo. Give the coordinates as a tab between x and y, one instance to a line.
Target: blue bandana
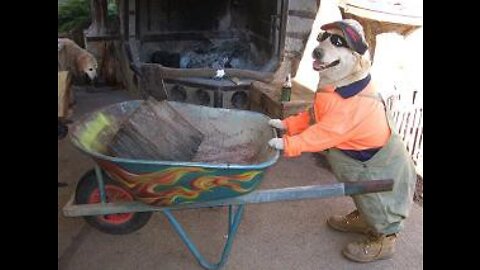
353	88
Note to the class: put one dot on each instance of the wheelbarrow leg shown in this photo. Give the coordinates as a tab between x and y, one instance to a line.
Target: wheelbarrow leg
234	219
230	218
101	184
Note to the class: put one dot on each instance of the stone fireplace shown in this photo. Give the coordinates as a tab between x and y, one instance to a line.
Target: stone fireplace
205	52
208	52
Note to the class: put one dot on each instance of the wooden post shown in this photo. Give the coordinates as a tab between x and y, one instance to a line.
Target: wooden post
99	14
131	19
64	83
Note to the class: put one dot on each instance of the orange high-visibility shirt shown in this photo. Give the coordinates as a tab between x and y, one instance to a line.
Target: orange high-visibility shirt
355	123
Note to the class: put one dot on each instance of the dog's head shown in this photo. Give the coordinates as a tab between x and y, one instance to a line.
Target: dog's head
88	65
341	56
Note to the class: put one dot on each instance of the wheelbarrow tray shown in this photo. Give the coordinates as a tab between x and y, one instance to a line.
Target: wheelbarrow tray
170	183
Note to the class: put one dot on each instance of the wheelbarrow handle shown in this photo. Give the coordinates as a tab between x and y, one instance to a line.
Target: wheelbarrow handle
362	187
258	196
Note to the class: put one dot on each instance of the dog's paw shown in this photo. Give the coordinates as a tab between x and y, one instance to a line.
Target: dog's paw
276	143
277	123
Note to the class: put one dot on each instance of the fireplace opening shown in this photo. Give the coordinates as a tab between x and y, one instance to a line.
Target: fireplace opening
240	34
217	54
180	47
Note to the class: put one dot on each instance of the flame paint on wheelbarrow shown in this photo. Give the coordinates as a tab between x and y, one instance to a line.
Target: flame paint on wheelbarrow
168	183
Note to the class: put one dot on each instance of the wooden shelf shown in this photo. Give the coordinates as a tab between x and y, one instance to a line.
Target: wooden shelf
265	98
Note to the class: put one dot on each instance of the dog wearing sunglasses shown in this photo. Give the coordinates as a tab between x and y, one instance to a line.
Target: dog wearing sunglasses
348	123
343	62
337	63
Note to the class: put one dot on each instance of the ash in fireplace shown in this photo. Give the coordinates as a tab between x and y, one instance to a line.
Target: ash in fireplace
226	54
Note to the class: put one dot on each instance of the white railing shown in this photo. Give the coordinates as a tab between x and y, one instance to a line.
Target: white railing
407	114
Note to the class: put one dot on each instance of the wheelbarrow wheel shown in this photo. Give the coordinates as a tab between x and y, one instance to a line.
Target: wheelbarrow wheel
87	192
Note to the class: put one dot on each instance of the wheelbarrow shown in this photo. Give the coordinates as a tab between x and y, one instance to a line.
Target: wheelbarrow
119	195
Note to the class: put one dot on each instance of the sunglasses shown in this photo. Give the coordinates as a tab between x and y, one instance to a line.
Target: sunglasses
336	40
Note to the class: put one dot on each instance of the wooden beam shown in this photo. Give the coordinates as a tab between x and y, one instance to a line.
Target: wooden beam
132	28
64	88
99	15
175	73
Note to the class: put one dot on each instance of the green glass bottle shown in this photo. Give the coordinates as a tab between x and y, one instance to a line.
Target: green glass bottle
286	89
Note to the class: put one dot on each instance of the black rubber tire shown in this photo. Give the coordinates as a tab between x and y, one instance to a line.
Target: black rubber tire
86	186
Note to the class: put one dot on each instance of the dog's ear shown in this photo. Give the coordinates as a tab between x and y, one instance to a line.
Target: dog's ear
363	62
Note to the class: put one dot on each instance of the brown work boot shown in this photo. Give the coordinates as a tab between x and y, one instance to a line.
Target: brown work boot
376	247
352	222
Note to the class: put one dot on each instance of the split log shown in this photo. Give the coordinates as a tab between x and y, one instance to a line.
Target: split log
156	131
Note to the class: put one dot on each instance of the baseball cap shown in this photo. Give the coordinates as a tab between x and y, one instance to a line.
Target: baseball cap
353	33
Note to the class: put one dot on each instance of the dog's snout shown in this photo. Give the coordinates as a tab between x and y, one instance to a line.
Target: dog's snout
317	53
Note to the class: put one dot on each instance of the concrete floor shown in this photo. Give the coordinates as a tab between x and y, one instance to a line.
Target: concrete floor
282	235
